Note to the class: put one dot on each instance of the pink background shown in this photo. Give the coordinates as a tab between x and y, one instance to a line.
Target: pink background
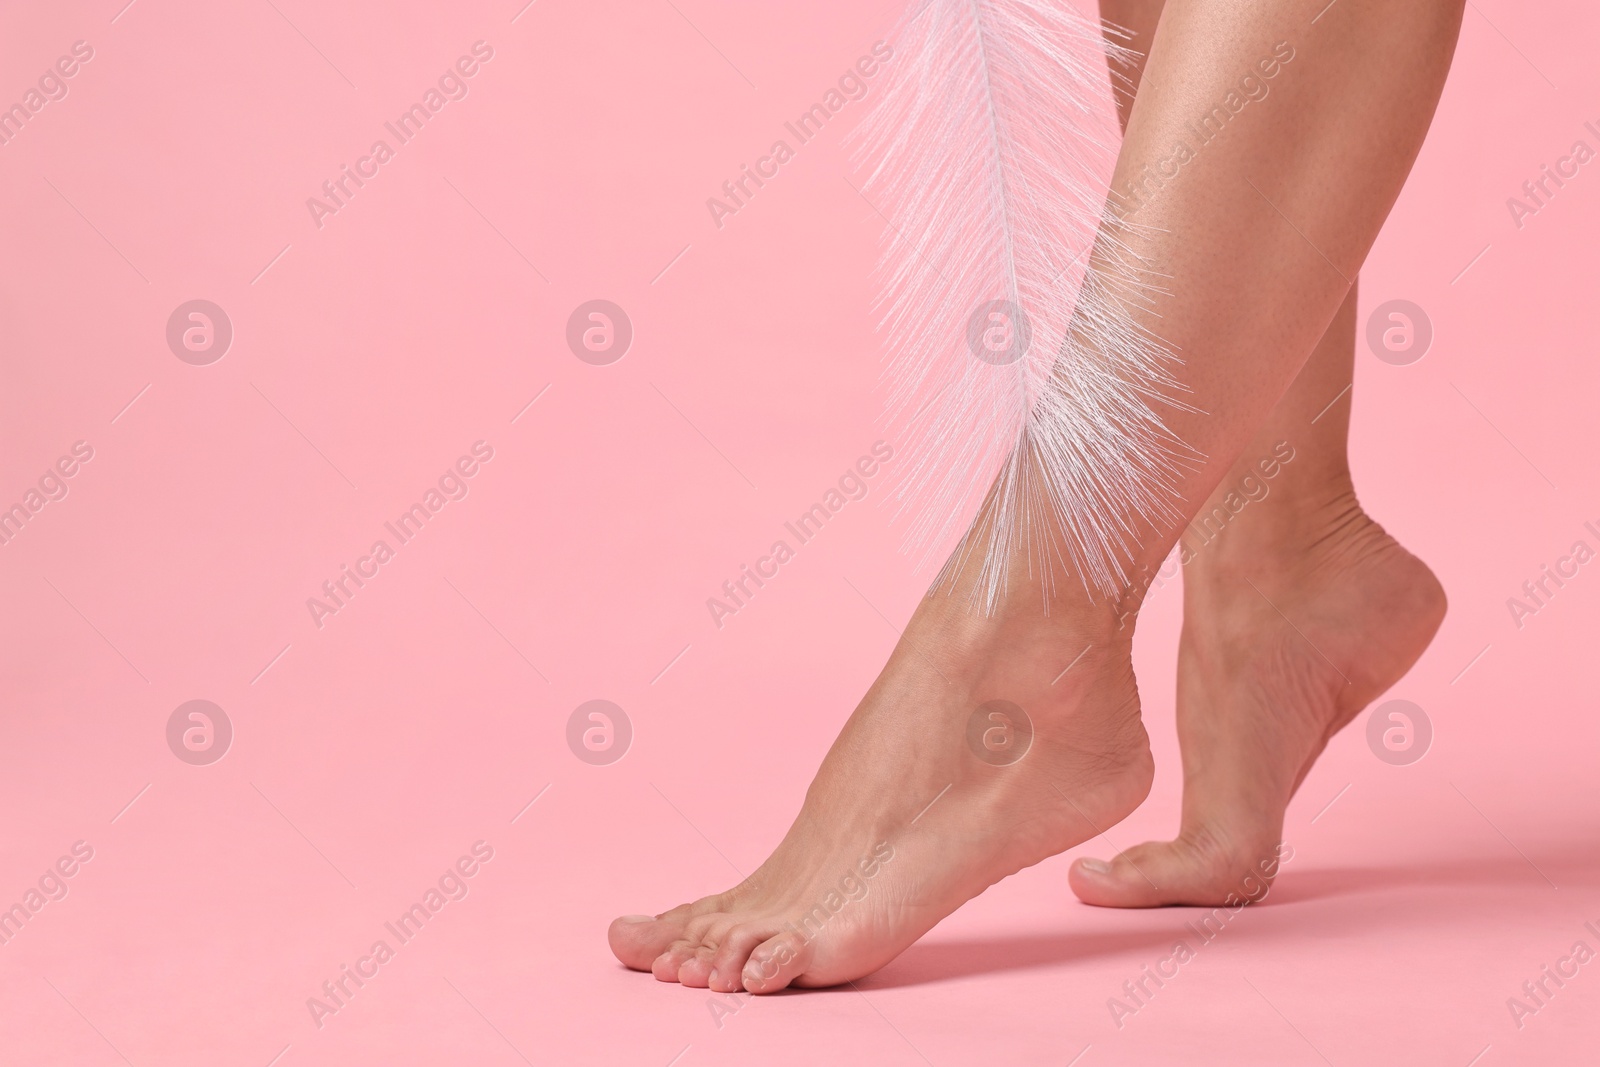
370	753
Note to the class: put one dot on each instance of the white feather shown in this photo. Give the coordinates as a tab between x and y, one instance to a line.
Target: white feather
989	150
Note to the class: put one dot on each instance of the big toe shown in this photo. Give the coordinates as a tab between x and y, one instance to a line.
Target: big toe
637	940
1183	871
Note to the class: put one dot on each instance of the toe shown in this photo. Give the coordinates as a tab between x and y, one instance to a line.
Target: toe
637	940
1190	870
706	933
667	965
1124	882
727	964
776	962
696	970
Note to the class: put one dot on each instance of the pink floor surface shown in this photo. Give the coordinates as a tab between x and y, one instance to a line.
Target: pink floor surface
371	748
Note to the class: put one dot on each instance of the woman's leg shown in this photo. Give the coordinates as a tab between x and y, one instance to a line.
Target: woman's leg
1258	699
915	808
1299	610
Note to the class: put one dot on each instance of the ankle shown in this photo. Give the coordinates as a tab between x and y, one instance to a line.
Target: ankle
1280	533
1048	596
1063	615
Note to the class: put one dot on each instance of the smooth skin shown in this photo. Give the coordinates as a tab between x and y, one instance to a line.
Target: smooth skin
1260	236
1257	701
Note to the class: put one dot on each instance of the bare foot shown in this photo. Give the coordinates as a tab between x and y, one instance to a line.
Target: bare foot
1286	638
907	819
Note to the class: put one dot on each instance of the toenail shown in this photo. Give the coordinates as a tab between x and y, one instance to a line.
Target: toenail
711	979
1094	866
638	918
